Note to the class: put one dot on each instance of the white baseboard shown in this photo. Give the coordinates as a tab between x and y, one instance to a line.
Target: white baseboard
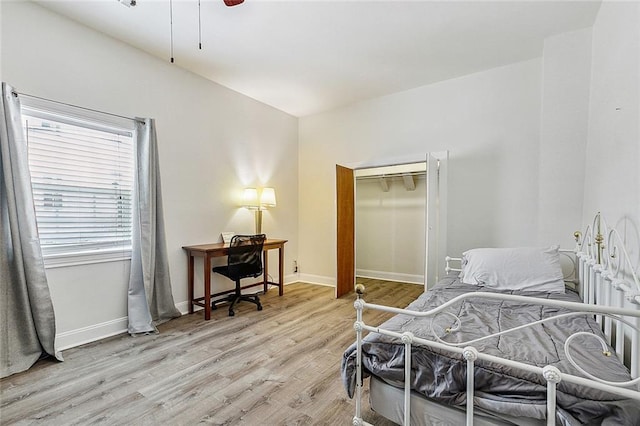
380	275
390	276
81	336
84	335
183	307
71	339
290	279
317	279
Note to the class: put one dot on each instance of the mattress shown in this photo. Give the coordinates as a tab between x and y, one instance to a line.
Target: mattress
441	376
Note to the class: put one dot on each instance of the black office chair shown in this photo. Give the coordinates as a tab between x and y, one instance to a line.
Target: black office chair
243	261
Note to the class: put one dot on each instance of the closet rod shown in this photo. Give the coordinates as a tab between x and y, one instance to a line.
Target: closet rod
391	175
139	120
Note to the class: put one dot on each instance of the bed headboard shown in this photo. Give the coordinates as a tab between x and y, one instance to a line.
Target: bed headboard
603	249
606	276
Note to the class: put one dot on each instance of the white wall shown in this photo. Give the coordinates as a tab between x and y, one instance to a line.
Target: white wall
390	229
489	122
612	181
566	76
212	143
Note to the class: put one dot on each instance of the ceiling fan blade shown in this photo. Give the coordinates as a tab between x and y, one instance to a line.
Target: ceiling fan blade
233	2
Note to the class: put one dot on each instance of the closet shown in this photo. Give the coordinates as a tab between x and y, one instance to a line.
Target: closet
401	222
390	209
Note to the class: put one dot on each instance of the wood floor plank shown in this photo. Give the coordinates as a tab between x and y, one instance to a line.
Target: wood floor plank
279	366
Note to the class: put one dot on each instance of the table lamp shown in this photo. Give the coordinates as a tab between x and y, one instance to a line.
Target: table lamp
266	200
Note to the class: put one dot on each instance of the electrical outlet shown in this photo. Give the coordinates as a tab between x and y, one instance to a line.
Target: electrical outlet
295	266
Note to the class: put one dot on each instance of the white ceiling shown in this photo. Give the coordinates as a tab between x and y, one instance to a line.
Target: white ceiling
305	57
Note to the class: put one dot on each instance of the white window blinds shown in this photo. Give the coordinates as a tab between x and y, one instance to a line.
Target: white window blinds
82	180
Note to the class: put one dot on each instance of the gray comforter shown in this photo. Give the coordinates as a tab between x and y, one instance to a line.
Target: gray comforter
441	376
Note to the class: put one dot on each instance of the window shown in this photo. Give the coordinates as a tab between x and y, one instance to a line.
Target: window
82	168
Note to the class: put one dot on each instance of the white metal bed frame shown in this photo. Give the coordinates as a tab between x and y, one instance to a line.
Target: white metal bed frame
610	290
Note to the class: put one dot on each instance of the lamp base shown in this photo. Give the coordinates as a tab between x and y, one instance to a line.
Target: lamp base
258	221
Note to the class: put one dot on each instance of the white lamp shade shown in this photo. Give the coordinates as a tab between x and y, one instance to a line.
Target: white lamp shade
250	198
268	198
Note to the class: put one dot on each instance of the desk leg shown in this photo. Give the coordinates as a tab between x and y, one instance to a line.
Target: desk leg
265	264
190	266
281	270
207	287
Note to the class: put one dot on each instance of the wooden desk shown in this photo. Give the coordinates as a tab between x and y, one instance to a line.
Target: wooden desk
207	251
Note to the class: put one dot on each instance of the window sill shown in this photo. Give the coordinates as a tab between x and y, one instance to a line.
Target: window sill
61	260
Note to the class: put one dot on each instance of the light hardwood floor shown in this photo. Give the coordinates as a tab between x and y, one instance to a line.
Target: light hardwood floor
279	366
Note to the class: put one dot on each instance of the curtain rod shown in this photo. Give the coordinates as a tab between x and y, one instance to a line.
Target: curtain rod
139	120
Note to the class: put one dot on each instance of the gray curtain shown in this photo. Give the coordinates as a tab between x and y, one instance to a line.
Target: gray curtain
150	299
27	321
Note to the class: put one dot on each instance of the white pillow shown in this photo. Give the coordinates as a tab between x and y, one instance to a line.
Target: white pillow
523	268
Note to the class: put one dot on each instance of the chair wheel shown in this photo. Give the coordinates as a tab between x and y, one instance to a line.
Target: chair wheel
231	313
259	307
